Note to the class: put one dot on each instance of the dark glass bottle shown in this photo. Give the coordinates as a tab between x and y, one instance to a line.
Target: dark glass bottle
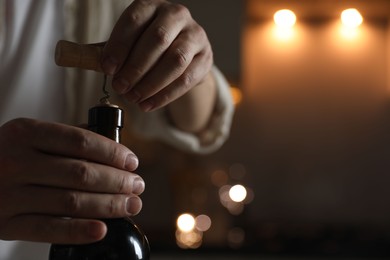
124	240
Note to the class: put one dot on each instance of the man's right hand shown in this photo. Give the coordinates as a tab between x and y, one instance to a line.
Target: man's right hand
57	180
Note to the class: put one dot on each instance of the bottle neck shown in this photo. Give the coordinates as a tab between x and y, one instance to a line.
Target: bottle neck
106	120
110	132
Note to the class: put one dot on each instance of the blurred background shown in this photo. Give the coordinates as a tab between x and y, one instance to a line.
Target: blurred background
306	169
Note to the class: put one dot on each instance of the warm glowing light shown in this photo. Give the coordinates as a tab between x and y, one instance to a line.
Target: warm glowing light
285	18
237	193
351	18
203	223
192	239
185	222
236	95
349	33
284	34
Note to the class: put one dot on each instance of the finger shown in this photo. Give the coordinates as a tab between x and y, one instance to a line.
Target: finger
69	203
126	31
171	66
154	41
80	143
39	228
199	67
82	175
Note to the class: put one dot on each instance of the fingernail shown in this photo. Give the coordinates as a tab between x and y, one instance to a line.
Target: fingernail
109	65
133	205
138	185
120	85
146	105
133	96
131	162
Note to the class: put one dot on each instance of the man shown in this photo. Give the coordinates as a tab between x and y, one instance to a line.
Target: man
161	66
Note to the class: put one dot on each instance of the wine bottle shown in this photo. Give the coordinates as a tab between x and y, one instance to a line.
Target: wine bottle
124	240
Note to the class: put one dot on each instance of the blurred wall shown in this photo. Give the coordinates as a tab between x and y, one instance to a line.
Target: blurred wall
315	120
311	135
312	130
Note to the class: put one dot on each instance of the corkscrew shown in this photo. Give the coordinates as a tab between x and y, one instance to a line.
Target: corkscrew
105	98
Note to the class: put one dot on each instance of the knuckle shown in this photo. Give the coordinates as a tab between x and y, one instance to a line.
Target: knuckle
165	98
82	174
181	57
116	158
123	184
133	17
162	36
114	209
179	10
81	140
197	34
198	30
72	203
186	80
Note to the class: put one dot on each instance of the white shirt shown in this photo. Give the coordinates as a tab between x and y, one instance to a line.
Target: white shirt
27	64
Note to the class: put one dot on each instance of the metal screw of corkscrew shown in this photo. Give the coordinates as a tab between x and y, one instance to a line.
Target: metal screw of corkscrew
104	99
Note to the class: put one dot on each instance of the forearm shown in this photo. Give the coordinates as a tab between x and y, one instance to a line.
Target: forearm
192	111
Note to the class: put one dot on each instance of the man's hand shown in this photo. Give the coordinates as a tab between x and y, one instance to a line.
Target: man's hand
156	53
57	180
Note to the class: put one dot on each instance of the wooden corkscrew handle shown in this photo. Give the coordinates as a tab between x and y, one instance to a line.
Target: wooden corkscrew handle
83	56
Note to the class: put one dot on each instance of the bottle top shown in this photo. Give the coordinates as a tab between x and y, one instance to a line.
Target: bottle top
105	115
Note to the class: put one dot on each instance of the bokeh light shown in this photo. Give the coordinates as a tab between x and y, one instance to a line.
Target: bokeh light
237	193
351	18
202	223
236	95
285	18
185	222
189	240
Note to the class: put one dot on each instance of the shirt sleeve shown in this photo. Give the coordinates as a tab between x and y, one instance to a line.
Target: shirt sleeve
155	125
